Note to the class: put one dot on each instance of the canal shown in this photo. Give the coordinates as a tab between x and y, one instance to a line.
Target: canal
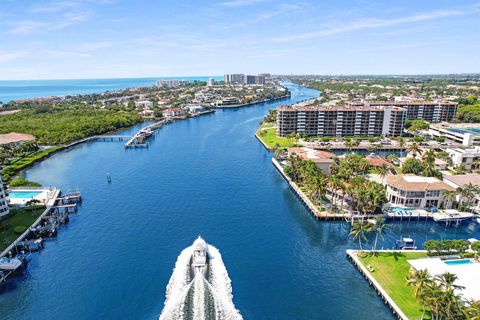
208	176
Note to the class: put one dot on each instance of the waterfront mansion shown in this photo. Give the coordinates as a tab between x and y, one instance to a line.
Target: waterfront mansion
409	190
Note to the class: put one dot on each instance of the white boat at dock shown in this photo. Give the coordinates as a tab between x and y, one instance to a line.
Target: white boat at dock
10	265
451	215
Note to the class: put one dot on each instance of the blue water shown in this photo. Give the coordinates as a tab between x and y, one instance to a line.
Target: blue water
458	262
23	194
208	176
25	89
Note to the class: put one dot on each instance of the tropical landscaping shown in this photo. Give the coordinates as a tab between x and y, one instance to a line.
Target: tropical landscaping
418	294
344	187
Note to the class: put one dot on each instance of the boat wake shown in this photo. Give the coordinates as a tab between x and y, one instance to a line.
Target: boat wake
199	287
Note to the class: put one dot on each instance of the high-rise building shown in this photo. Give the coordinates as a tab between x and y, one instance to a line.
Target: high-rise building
249	79
3	200
260	79
210	82
234	78
431	111
340	121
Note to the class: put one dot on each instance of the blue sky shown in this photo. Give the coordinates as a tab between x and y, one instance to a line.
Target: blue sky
58	39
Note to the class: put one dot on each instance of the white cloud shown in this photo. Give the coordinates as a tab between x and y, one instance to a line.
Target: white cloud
30	26
373	23
240	3
10	56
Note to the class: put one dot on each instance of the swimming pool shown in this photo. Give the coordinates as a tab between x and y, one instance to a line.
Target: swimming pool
23	194
458	262
399	209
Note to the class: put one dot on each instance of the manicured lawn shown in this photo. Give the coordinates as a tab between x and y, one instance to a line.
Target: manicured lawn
391	269
19	218
269	136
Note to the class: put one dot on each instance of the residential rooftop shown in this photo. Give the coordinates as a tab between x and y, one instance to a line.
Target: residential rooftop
411	182
462	179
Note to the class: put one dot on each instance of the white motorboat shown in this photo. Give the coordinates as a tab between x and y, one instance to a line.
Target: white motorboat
200	255
451	215
10	265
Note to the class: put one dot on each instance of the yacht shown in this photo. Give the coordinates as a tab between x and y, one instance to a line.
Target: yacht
450	215
199	255
10	265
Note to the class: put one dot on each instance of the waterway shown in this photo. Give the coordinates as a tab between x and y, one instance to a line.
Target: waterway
208	176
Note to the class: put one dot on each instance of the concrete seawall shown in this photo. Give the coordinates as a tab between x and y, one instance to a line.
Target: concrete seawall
303	197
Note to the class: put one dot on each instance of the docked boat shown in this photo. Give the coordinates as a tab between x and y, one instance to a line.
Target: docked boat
10	264
451	215
406	244
199	256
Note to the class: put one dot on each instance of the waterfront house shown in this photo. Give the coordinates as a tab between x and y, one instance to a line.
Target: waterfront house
194	109
324	160
144	104
174	112
459	180
409	190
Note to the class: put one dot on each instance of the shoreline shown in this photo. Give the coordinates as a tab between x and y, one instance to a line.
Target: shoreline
305	200
234	106
353	256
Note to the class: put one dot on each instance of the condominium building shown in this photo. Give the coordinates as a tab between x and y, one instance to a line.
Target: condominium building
432	111
3	200
234	78
244	78
260	79
409	190
340	121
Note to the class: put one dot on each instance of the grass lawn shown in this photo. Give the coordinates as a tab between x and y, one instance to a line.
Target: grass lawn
269	136
23	217
391	269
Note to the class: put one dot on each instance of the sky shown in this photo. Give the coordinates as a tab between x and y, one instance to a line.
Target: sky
74	39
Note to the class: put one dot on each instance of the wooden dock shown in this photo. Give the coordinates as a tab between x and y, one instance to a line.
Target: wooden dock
55	214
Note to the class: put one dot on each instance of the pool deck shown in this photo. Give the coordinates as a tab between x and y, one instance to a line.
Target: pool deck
49	205
468	274
46	196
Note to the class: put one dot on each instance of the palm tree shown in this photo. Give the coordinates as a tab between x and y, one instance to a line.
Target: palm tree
447	281
401	143
359	231
392	158
383	171
472	310
414	149
467	193
448	198
421	281
380	227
